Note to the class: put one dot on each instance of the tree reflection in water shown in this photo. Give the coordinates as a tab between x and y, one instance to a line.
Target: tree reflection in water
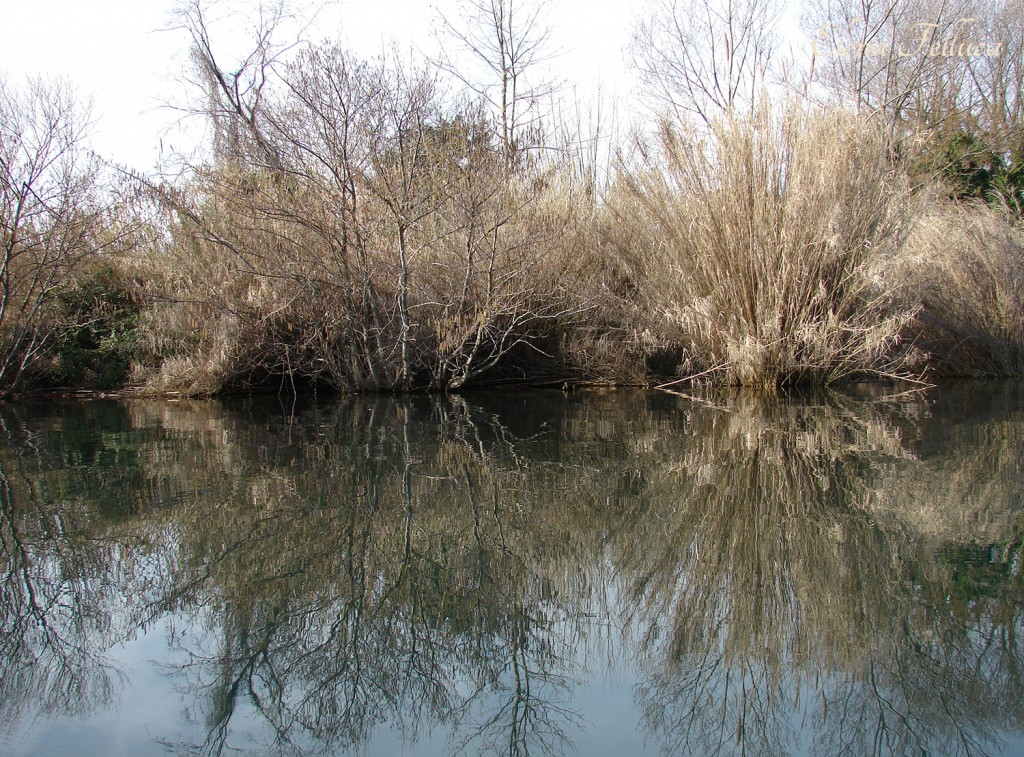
57	590
788	607
828	575
390	580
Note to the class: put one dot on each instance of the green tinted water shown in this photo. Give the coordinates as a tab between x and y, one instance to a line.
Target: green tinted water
616	573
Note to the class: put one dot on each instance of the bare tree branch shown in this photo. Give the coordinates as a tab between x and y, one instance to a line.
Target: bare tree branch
702	58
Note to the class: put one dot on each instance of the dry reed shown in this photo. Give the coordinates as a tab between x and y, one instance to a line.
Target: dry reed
758	243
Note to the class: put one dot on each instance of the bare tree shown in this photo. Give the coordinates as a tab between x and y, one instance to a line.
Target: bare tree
949	73
51	217
878	56
361	230
494	274
997	77
702	58
234	96
511	41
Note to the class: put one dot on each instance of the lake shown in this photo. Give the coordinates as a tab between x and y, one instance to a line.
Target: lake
598	573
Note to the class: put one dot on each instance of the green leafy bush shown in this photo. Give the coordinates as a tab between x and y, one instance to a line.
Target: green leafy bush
99	337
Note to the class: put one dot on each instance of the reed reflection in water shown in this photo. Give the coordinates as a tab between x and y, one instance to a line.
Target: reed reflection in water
824	575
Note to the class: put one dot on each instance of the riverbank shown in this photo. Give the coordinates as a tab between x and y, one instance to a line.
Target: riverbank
355	227
802	256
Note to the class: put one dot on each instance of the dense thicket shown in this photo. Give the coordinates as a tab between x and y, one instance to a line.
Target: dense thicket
386	225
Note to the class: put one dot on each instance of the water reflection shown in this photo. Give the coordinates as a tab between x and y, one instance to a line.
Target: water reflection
380	580
58	587
787	603
826	574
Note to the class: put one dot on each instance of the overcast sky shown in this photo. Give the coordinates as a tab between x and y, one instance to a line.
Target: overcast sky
120	54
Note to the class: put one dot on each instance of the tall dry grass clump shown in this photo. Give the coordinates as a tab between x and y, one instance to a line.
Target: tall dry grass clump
754	247
965	265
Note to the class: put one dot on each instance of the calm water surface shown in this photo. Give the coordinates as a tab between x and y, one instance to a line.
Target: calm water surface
599	574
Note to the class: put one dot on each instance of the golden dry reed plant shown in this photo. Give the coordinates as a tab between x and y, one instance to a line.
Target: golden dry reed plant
756	247
964	266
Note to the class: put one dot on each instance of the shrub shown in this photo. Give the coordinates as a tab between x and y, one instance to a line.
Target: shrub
970	168
367	235
95	319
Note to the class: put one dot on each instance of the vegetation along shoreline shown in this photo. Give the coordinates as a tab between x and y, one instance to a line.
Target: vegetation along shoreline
402	224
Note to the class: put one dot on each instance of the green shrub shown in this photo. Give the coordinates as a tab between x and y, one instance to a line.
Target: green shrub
98	338
971	168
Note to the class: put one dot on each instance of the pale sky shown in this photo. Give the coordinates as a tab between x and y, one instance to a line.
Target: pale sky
115	53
